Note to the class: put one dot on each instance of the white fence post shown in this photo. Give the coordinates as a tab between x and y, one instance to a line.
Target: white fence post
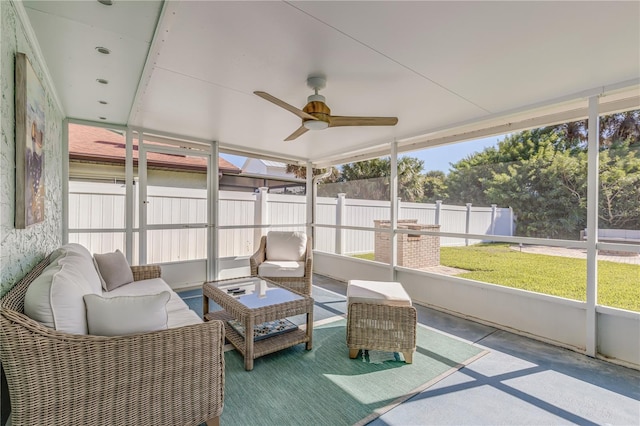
511	221
340	208
438	209
261	215
468	223
493	219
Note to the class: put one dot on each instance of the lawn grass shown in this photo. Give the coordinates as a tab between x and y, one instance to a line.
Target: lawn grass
618	283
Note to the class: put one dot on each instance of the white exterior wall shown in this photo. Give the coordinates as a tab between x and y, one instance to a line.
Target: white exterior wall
21	249
619	335
346	268
515	310
254	166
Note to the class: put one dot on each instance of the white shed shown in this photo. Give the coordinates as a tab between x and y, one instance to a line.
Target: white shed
256	166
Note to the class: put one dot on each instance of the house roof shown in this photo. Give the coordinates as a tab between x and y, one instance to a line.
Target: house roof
449	70
255	162
98	144
270	163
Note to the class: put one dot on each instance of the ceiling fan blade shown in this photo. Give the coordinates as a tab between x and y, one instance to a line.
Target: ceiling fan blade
301	131
283	104
340	120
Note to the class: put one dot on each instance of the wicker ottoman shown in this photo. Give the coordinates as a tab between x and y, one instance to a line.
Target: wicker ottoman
380	317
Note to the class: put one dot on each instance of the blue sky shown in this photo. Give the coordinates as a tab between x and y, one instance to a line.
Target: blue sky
434	158
236	160
440	158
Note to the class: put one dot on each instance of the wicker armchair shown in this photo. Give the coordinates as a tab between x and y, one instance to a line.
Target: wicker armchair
168	377
299	284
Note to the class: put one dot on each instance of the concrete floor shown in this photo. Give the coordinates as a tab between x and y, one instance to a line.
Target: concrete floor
520	382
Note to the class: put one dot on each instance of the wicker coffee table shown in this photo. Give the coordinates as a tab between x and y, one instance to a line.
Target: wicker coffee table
261	301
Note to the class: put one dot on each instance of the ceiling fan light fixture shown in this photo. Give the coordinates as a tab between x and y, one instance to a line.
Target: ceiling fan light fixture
315	124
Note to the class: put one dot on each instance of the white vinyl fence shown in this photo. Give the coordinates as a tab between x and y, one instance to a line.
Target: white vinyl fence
361	213
96	220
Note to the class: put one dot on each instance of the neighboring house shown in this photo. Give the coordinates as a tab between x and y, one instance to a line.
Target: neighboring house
98	154
256	166
273	174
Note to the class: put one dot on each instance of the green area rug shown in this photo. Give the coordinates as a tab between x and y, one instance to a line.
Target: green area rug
325	387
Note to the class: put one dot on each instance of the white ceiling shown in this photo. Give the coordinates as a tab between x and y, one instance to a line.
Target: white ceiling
434	65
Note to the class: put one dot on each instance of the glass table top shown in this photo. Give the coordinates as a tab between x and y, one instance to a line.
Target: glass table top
254	292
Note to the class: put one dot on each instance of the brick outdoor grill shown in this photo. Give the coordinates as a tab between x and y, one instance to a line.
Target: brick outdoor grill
414	251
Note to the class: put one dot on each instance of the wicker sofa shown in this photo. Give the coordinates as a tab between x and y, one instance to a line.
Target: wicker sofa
173	376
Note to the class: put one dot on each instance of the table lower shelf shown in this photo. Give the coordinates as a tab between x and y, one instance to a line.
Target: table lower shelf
260	347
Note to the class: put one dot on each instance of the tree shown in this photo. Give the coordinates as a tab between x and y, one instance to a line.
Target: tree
369	180
467	178
410	179
542	175
547	193
434	187
301	172
619	204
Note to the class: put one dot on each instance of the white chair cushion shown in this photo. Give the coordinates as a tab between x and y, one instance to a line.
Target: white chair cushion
55	298
119	316
377	292
150	286
286	245
282	269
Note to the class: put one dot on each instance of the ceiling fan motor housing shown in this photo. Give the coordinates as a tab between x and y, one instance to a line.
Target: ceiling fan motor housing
319	110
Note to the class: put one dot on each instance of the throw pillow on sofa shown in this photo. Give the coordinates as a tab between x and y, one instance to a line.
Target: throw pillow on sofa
122	315
113	269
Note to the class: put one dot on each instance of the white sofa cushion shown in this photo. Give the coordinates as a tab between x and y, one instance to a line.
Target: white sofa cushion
281	268
286	245
119	316
113	269
150	286
55	298
377	292
88	269
183	317
37	299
